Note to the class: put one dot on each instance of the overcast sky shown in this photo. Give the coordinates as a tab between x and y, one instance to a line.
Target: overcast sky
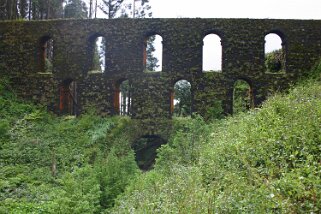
282	9
278	9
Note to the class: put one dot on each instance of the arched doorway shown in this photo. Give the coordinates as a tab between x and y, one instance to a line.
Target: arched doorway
68	97
153	53
46	54
122	97
274	53
97	54
145	149
242	96
212	53
181	99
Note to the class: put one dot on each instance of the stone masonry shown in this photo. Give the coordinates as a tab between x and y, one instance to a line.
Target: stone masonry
242	59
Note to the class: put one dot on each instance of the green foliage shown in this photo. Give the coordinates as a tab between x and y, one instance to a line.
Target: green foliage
215	111
114	173
183	147
76	9
182	92
275	61
242	96
151	61
4	128
313	75
48	66
60	165
263	161
145	149
98	55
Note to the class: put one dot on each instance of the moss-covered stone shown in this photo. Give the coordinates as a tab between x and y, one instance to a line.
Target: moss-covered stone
242	58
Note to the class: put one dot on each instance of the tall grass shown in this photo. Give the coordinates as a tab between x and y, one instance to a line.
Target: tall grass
263	161
52	164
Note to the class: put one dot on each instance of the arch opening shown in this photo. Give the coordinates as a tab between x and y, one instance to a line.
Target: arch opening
181	99
122	98
212	53
68	97
46	54
243	99
145	149
274	53
153	53
97	54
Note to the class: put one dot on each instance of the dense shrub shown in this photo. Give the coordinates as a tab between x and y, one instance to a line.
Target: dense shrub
54	164
275	61
262	161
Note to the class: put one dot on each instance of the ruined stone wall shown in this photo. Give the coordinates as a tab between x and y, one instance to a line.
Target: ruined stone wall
242	58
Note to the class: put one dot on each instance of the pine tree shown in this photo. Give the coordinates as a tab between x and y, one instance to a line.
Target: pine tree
151	60
76	9
31	9
9	9
111	7
182	90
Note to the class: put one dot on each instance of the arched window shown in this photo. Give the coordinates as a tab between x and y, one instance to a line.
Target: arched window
122	99
242	96
181	99
153	53
212	53
97	54
46	54
274	52
68	97
145	149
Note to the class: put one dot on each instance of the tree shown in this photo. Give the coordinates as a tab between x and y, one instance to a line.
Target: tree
182	91
23	8
242	97
275	61
90	9
151	60
31	9
76	9
143	11
46	9
111	7
9	9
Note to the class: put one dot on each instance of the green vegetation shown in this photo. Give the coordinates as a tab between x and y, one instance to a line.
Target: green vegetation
275	61
183	99
60	165
242	97
262	161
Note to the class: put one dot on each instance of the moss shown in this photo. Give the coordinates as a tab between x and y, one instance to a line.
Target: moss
242	58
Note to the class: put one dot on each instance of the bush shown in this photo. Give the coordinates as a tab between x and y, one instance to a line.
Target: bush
262	161
275	61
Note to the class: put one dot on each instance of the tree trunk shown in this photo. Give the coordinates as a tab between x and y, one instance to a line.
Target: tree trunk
96	5
29	12
90	8
48	9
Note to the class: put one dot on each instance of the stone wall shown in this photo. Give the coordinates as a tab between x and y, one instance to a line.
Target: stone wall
242	58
